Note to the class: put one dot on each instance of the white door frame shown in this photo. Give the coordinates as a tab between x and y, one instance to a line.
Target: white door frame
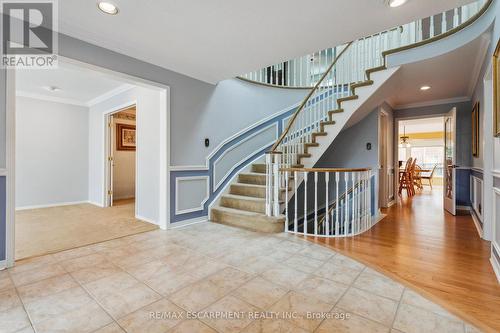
108	151
396	145
488	155
383	154
450	204
163	177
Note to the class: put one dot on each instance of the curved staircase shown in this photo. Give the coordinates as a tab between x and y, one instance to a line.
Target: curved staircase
341	89
245	204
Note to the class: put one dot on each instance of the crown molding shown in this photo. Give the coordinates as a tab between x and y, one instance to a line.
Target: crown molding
118	90
434	102
21	93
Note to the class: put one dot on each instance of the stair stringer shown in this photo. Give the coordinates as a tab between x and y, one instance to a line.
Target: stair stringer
350	107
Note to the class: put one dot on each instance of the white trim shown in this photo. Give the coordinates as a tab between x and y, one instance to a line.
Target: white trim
478	63
189	222
480	170
3	264
495	173
435	102
145	219
188	168
107	152
3	172
112	93
476	223
391	203
463	208
95	203
52	99
193	209
223	179
10	135
494	263
56	204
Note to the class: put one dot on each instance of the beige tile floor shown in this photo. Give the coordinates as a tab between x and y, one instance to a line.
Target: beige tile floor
210	278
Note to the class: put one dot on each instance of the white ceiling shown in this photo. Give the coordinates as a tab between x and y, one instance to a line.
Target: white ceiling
219	39
424	125
78	86
451	75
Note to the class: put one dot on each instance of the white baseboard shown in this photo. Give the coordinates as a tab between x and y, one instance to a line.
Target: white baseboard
476	223
3	264
186	223
95	203
58	204
392	203
463	208
495	264
145	219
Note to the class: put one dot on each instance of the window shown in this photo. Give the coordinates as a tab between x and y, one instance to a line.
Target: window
427	157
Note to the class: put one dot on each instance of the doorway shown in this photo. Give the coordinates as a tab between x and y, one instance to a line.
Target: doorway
59	149
422	140
120	143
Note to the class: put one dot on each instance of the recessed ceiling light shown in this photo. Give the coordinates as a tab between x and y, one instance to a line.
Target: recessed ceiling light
53	88
424	88
396	3
107	7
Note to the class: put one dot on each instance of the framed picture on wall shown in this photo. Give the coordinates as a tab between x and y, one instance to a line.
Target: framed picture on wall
496	90
125	137
475	130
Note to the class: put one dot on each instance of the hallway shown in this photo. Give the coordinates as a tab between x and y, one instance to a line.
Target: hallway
439	255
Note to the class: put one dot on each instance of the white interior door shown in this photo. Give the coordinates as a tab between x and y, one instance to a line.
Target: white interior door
450	153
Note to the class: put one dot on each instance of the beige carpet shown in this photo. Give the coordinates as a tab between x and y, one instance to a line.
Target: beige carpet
47	230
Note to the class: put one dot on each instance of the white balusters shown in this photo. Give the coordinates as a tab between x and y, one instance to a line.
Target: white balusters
305	202
315	204
296	206
327	204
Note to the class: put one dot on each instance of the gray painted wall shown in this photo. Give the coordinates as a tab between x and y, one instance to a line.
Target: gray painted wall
197	108
51	153
348	150
2	119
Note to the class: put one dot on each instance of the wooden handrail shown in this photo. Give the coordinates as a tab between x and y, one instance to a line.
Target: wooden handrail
325	169
450	32
306	99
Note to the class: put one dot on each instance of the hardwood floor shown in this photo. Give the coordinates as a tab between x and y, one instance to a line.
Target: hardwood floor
47	230
437	254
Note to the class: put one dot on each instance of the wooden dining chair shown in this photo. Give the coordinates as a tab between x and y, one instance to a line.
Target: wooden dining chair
417	177
406	178
430	176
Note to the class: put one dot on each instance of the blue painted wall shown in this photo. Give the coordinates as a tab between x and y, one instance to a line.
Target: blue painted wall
464	139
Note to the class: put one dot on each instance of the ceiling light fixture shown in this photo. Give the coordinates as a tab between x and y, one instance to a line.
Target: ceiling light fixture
396	3
405	140
53	88
107	7
424	88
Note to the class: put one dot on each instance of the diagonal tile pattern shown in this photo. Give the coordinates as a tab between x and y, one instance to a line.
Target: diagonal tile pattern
210	278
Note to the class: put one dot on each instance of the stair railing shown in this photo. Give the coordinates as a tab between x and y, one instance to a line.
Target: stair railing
329	202
349	69
305	71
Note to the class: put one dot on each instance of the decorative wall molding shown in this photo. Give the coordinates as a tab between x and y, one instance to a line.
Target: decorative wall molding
3	172
178	180
495	259
495	173
227	151
435	102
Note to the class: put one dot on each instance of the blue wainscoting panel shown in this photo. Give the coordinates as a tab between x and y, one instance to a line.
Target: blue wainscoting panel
463	187
3	224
